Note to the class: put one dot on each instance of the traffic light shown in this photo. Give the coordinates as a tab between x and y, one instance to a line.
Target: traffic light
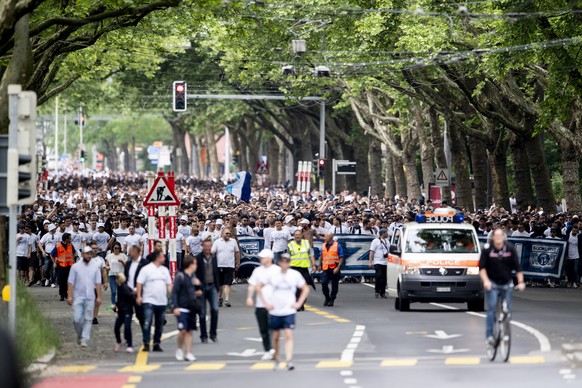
321	165
82	157
22	175
179	96
80	120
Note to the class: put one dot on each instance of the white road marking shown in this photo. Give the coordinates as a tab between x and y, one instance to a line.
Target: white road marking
350	381
569	377
352	346
254	339
246	353
441	334
349	351
447	349
565	371
346	373
544	342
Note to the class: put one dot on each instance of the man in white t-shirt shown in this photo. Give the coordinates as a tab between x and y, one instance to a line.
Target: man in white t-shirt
283	305
379	261
279	238
228	260
102	239
260	275
131	239
153	286
194	242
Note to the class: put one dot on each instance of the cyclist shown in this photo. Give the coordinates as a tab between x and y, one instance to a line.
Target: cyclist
497	262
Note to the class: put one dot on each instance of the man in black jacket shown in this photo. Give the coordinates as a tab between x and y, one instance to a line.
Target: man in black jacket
131	271
207	273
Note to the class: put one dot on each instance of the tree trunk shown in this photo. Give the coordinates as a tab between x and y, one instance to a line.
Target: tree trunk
3	250
390	183
439	153
399	177
541	174
571	175
126	156
375	167
521	172
273	161
426	149
19	68
132	156
479	162
460	163
498	159
360	146
212	152
198	168
280	162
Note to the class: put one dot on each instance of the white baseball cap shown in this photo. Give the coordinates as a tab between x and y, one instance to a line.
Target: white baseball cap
219	221
101	225
51	227
184	218
305	222
288	219
87	250
266	254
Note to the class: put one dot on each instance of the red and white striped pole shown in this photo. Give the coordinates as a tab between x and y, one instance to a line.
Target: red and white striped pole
172	234
151	217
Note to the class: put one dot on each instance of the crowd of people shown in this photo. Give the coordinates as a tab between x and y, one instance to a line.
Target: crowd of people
91	233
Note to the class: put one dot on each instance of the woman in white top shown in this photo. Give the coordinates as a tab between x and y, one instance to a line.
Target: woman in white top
115	260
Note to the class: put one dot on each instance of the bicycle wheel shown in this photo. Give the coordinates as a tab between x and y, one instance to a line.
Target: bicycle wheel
505	339
492	347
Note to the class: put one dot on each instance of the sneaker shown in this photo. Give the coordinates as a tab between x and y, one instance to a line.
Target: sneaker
383	296
490	341
290	366
179	355
129	349
158	348
46	283
31	283
146	348
53	285
574	285
117	347
190	357
330	303
95	321
213	339
83	345
227	303
39	283
204	340
377	296
268	355
326	302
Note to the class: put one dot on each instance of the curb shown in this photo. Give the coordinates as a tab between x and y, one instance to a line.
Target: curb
573	353
41	363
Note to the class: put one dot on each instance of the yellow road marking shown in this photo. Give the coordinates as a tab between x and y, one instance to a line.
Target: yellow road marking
527	360
134	379
463	361
142	357
399	362
263	366
342	320
326	314
140	368
247	328
206	366
332	316
317	323
77	368
334	364
128	386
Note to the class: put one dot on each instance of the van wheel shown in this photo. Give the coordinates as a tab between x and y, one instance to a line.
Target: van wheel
477	306
396	303
403	304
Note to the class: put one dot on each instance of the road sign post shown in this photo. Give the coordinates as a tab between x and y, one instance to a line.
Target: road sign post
341	167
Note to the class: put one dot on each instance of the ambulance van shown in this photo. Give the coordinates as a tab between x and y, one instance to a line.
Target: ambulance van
435	259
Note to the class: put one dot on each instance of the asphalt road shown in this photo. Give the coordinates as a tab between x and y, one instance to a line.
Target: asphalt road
363	342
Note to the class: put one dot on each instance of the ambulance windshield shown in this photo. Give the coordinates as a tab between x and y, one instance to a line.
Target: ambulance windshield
441	241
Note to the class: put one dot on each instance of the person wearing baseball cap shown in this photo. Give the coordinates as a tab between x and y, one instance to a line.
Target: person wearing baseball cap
260	275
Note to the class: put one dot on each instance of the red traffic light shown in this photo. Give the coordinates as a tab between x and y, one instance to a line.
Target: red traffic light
322	162
180	88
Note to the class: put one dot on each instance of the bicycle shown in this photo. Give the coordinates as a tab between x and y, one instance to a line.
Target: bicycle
501	326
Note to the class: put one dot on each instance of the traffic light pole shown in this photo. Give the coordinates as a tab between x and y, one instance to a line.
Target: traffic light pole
321	144
13	92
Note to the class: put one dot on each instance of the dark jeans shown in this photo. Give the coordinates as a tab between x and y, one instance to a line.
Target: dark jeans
572	270
123	319
381	278
209	298
63	274
263	320
139	314
150	312
498	291
306	275
327	276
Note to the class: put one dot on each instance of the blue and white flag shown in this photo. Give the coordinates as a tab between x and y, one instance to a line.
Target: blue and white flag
242	187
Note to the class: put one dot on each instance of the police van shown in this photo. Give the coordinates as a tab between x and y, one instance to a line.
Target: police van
435	259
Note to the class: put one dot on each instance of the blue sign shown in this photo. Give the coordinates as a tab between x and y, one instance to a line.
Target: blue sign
356	251
540	258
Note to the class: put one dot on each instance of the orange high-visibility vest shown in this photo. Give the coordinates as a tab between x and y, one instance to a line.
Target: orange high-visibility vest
65	257
329	257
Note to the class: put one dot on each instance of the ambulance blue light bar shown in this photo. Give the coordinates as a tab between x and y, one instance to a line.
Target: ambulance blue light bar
440	218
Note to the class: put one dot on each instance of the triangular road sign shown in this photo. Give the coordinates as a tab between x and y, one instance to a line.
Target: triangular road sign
160	194
262	169
442	177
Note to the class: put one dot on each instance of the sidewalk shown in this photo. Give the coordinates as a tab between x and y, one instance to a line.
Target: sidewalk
102	338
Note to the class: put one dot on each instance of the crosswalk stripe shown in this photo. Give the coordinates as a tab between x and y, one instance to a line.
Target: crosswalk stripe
134	379
334	364
527	360
263	366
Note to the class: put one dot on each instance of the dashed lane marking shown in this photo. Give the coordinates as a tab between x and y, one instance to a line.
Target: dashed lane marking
211	366
317	323
463	361
77	368
128	386
399	362
134	379
325	314
527	360
263	366
332	364
141	364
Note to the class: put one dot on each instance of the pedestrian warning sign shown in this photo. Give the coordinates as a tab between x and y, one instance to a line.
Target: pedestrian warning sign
160	194
262	168
442	177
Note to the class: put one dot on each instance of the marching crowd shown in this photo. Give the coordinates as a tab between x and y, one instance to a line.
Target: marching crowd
85	235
